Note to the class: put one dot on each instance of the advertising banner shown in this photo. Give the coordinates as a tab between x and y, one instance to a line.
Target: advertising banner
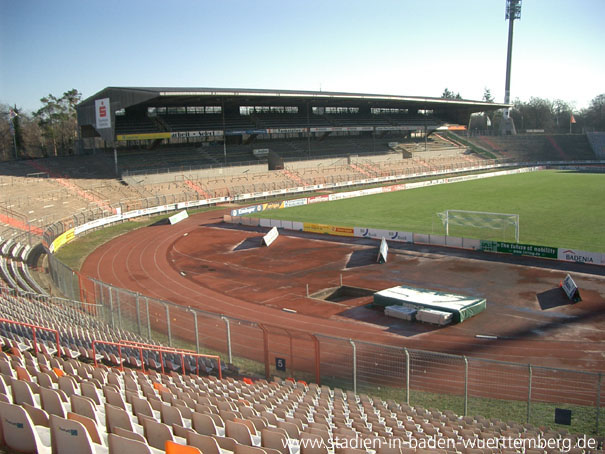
246	210
61	240
383	251
102	113
270	237
273	205
573	255
144	136
318	199
180	216
295	203
571	289
391	235
520	249
328	229
285	130
185	134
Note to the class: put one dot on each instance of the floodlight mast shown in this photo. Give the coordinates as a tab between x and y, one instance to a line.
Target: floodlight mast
513	11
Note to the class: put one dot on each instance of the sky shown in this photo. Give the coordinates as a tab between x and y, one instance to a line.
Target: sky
395	47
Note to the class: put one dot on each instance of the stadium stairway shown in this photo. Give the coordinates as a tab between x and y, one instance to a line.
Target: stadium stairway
197	188
292	176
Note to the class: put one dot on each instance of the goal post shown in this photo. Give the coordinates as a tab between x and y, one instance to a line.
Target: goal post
475	221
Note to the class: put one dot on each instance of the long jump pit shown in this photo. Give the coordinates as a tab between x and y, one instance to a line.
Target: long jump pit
321	284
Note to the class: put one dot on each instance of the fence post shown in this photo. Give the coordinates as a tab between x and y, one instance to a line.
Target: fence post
529	394
407	376
317	360
465	385
354	365
138	305
598	402
148	319
266	351
168	324
111	308
226	320
119	309
197	335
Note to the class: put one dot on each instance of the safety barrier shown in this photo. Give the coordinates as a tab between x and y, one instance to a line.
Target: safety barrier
158	349
34	328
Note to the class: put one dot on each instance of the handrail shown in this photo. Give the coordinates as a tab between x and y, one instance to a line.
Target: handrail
34	328
160	350
145	344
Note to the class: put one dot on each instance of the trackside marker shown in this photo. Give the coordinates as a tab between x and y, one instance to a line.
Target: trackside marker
292	311
485	336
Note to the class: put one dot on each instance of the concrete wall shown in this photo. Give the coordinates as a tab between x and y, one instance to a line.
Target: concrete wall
213	172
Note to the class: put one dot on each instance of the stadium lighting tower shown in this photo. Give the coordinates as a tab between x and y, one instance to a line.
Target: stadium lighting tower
513	11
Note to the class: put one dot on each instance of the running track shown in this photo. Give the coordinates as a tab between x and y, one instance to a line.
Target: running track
193	264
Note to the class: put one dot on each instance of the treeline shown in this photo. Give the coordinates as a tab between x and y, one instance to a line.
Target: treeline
50	131
551	116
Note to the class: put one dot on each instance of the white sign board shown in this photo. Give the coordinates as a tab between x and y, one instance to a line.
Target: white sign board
102	113
180	216
383	251
573	255
571	289
270	237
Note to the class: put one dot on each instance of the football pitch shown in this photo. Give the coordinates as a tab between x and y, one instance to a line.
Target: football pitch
555	208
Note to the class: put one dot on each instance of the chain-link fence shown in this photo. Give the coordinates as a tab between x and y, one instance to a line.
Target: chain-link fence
465	385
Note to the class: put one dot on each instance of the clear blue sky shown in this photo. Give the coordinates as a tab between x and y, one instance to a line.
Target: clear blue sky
398	47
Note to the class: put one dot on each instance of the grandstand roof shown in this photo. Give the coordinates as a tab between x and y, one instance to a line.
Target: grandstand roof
454	110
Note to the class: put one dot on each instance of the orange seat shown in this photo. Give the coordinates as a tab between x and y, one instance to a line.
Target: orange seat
175	448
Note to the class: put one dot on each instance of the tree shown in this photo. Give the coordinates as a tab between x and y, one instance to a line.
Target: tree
447	94
488	117
594	116
58	122
561	113
27	134
487	95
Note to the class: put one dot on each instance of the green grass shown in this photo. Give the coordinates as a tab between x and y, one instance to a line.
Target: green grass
73	254
556	208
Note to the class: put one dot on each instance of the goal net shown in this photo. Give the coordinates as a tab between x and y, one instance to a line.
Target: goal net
481	225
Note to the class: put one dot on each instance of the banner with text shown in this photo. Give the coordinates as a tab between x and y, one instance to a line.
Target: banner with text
328	229
520	249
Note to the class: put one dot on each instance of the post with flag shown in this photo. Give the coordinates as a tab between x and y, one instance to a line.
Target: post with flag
12	114
572	120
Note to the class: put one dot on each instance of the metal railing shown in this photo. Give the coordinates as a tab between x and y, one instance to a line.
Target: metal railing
141	347
35	328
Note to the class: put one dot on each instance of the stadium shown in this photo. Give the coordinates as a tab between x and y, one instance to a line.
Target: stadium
205	271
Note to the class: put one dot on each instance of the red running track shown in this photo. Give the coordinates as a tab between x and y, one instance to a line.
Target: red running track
206	264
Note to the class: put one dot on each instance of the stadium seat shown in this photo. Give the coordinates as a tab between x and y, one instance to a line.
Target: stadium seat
240	433
19	432
91	428
122	445
176	448
70	436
